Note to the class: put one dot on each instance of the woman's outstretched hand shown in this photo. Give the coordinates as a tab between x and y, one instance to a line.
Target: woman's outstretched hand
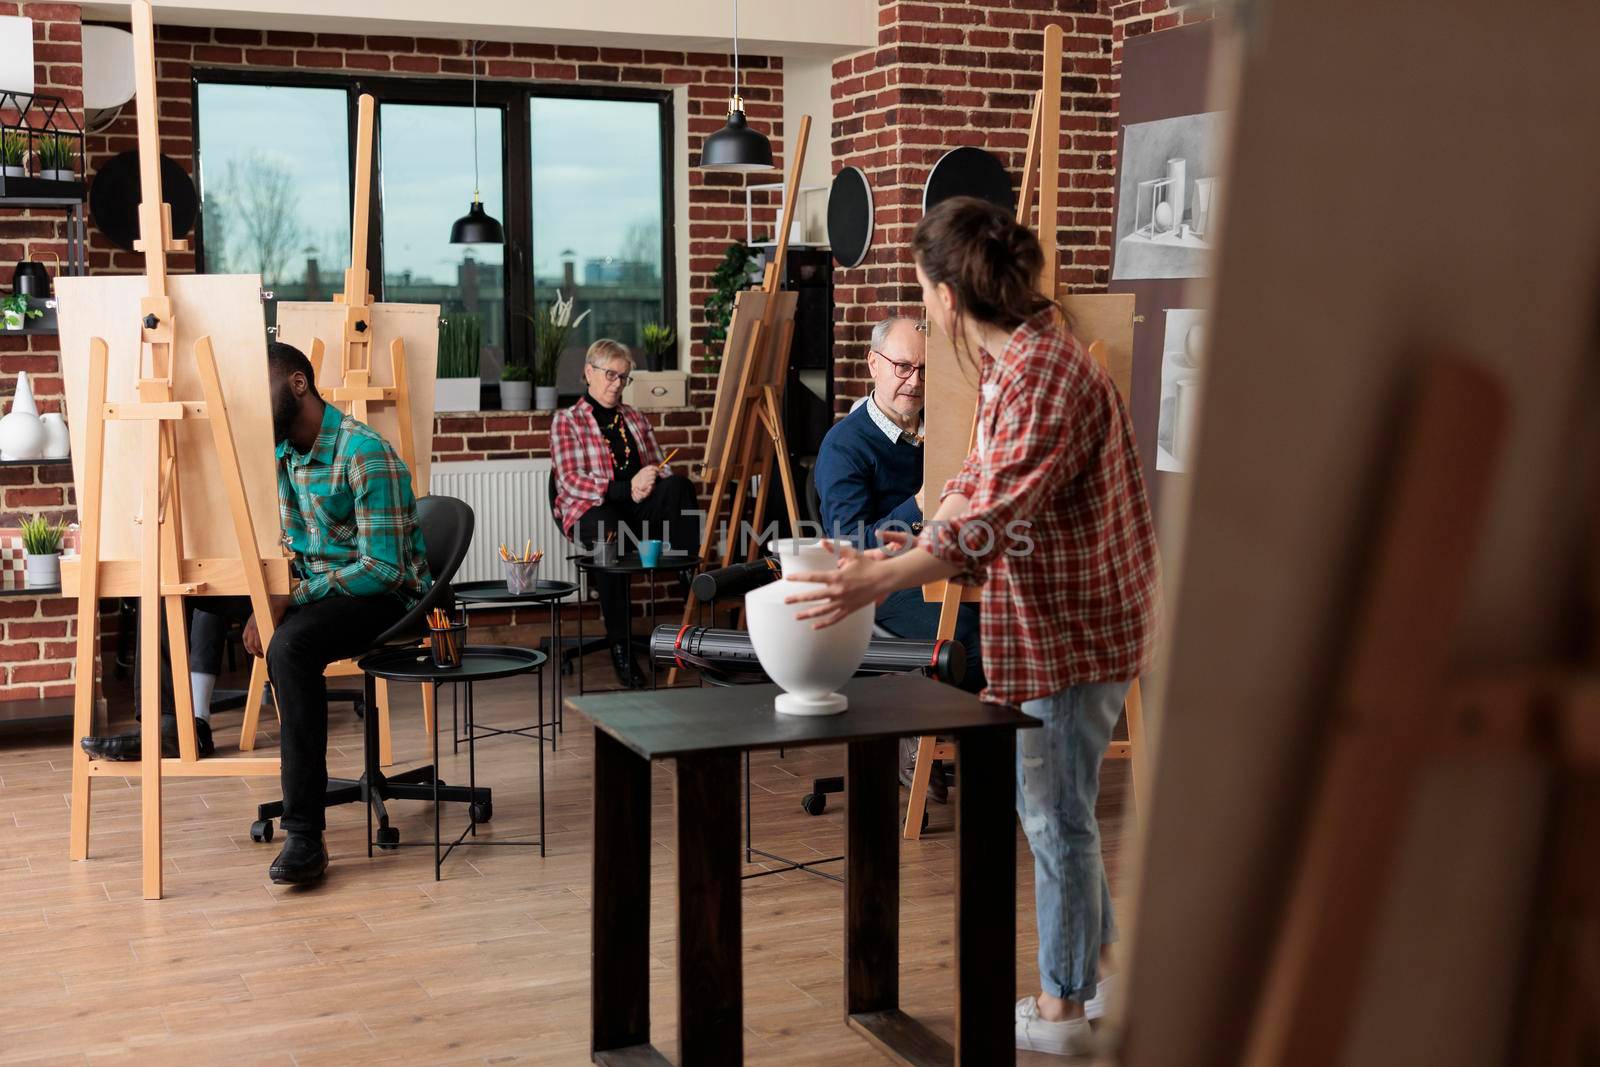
857	582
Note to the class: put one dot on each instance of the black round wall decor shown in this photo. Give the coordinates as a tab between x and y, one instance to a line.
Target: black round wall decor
114	198
850	217
968	171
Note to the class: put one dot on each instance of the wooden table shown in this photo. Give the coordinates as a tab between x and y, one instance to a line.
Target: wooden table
705	730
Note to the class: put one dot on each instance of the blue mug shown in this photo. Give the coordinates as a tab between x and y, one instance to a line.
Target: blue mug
649	553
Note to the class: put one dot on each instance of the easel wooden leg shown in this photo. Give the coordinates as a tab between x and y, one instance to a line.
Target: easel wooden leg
429	696
780	451
1138	755
252	703
150	660
88	601
918	802
182	695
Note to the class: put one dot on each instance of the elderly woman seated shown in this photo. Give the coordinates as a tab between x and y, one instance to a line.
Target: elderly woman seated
611	483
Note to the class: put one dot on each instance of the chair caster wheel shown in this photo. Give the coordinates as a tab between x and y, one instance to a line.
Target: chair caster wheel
482	811
261	831
388	837
814	803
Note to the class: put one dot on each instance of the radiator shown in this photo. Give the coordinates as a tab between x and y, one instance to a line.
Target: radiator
511	503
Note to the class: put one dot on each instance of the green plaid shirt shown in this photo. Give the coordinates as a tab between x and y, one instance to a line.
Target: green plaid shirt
349	516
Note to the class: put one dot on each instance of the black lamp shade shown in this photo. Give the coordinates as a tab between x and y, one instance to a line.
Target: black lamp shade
736	147
477	227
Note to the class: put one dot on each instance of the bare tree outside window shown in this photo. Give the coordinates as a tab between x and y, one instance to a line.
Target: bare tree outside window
262	230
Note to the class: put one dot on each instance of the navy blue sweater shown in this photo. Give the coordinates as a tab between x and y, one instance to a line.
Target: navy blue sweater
865	481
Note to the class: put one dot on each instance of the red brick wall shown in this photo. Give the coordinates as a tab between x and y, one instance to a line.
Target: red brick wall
946	74
37	646
35	649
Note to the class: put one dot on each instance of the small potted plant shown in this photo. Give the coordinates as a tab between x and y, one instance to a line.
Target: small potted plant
460	346
516	388
16	310
658	341
42	543
14	153
57	158
550	331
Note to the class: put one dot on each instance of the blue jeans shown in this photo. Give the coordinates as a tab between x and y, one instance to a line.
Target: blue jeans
1058	782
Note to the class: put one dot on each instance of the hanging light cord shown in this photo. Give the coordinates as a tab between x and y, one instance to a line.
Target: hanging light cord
736	101
475	196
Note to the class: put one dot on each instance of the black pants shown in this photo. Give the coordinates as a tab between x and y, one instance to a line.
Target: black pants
670	513
208	619
310	637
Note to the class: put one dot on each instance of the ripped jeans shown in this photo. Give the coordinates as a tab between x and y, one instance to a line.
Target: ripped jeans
1058	782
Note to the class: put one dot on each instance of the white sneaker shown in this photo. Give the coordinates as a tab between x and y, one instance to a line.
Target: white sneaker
1095	1007
1070	1037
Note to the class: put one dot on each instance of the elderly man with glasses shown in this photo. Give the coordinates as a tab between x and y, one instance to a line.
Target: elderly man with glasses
611	483
869	471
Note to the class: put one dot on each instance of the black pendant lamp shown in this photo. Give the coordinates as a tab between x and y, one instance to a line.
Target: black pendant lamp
477	226
736	147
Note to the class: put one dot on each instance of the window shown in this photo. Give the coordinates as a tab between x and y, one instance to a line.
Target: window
275	203
597	217
426	177
579	176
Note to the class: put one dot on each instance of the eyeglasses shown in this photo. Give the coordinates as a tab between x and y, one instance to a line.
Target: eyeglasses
613	376
903	370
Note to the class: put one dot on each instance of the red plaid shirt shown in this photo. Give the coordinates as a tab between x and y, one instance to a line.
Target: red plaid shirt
582	458
1056	466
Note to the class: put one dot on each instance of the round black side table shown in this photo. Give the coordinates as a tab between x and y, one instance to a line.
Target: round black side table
679	562
492	592
479	663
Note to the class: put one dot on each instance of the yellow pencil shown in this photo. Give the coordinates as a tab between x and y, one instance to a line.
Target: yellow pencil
674	452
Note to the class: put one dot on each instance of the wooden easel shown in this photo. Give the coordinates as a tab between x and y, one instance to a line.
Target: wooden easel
359	396
746	434
1041	168
163	572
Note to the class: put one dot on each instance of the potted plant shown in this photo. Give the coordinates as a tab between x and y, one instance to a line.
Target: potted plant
42	543
731	276
57	158
550	330
16	309
516	388
460	346
14	153
658	341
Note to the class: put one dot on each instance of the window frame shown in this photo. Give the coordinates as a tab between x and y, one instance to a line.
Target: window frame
514	100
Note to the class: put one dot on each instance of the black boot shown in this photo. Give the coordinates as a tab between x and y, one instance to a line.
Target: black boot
126	748
628	672
304	860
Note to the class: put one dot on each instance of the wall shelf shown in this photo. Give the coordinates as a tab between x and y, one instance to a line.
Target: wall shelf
33	462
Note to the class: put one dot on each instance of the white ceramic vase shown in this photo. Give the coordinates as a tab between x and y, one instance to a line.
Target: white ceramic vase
807	664
546	398
57	441
456	394
22	400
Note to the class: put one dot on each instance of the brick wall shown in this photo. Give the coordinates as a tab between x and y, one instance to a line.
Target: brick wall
37	647
947	74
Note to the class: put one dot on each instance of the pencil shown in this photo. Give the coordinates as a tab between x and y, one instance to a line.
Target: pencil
674	452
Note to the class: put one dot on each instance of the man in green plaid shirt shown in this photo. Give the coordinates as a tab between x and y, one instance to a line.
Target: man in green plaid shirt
350	518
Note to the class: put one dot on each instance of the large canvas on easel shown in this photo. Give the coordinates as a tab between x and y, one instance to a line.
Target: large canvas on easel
1454	212
417	325
951	396
227	307
748	307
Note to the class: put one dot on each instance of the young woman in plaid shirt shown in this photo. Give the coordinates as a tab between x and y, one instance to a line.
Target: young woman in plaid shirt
1050	513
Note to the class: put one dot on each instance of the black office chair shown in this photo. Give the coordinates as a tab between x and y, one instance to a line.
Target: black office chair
446	525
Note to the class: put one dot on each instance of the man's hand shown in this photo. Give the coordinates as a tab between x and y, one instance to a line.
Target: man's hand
644	482
278	606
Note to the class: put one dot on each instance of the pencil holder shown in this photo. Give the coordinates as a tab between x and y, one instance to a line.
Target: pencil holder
521	577
446	643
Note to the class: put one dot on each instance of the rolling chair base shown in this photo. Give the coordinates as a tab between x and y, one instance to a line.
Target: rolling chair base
414	784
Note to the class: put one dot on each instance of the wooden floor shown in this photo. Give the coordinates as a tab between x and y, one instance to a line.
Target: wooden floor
380	964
